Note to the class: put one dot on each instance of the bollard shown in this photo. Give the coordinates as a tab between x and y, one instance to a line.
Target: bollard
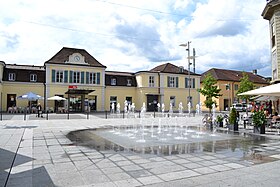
139	114
105	114
123	114
68	116
1	115
24	118
47	117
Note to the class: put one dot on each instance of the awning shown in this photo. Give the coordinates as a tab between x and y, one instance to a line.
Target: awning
271	90
79	91
154	94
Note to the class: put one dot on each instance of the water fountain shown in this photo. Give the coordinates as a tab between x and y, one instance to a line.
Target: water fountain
113	108
180	109
170	109
197	109
189	108
162	109
158	107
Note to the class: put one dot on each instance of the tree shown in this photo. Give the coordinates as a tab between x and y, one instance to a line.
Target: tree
245	85
210	90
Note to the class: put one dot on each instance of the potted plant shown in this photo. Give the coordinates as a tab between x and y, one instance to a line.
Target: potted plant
220	120
259	121
233	119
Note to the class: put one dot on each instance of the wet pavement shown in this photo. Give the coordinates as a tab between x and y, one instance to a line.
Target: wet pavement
38	153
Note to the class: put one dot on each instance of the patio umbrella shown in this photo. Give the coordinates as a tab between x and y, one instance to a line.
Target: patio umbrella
267	98
56	98
30	96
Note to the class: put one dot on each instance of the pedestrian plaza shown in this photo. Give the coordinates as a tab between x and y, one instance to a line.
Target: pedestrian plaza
39	152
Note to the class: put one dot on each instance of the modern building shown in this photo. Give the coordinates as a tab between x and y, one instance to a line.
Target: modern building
77	76
271	13
229	81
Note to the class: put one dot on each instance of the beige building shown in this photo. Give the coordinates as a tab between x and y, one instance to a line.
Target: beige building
271	12
77	76
229	81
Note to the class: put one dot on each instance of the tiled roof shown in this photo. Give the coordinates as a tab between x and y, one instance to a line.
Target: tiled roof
232	75
25	67
63	55
119	73
170	68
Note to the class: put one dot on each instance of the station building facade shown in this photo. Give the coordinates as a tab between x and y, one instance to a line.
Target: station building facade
77	76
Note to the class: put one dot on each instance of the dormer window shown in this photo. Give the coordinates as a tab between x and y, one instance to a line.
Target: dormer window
129	81
113	81
12	76
33	78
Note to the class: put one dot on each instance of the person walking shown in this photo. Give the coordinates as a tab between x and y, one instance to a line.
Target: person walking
39	110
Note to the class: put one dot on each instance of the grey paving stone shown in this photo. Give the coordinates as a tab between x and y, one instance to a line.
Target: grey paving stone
192	165
131	168
220	168
150	180
127	183
111	170
123	163
166	169
204	170
207	163
234	165
139	173
181	161
119	176
178	175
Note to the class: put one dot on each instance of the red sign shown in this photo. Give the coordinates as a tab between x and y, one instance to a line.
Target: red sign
72	87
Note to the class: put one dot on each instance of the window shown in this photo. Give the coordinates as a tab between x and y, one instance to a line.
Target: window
151	81
172	82
272	34
172	100
76	77
113	103
129	81
59	76
92	78
33	77
190	82
12	76
227	86
236	87
113	81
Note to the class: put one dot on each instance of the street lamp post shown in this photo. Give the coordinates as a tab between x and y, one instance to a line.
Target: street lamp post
189	68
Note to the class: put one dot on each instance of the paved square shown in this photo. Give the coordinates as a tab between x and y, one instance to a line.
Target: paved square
39	153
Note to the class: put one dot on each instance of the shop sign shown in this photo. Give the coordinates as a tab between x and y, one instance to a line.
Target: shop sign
72	87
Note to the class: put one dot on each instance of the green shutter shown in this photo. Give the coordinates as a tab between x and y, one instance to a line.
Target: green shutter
193	83
66	76
98	78
177	82
186	82
71	77
53	75
87	77
83	77
168	81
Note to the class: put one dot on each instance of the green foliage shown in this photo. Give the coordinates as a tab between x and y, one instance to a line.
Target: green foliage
245	85
232	116
259	118
210	90
219	118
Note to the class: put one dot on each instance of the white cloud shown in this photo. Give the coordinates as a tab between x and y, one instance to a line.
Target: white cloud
133	35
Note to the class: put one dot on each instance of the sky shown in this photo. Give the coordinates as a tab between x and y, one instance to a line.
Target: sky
131	36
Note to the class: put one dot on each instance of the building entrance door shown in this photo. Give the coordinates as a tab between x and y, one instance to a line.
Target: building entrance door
11	100
152	101
75	104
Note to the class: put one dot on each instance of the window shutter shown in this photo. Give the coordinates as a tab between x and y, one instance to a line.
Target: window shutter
53	75
71	77
87	77
193	83
98	78
186	82
65	76
168	81
177	82
83	77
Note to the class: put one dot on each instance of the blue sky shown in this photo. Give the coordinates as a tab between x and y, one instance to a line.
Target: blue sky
131	35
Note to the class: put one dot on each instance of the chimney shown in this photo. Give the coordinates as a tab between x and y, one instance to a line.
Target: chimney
255	72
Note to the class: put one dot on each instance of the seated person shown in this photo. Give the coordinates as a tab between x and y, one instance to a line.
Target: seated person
275	117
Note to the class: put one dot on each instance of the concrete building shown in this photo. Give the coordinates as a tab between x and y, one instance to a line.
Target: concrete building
77	76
